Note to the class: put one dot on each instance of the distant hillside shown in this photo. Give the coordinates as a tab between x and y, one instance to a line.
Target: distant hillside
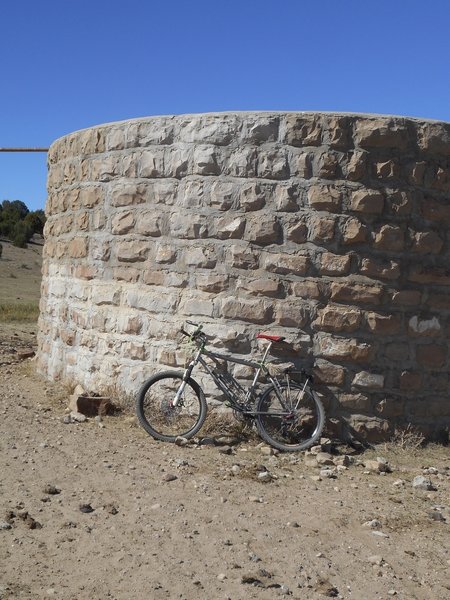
20	281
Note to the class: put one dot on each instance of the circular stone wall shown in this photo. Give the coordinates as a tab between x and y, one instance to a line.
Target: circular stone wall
330	229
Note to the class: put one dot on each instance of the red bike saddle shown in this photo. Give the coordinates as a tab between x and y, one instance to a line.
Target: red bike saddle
272	338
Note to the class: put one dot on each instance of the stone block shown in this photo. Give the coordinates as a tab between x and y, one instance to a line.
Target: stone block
297	231
78	248
432	356
338	318
357	166
292	264
342	349
328	167
252	196
263	230
308	289
328	373
326	198
339	132
273	164
122	222
212	283
165	254
287	198
151	163
356	293
390	238
261	286
355	402
388	169
434	139
424	327
433	275
353	232
406	298
127	193
400	203
262	129
187	226
435	211
254	311
383	324
388	269
242	257
381	133
230	227
367	380
321	229
132	251
207	160
426	242
199	257
303	131
367	202
151	224
410	381
398	352
334	264
242	162
223	194
290	314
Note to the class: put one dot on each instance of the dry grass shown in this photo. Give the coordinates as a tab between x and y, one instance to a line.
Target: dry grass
19	313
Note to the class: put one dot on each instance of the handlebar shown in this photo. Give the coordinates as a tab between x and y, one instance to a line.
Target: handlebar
196	334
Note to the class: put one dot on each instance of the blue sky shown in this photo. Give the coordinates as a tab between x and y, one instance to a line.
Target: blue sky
70	64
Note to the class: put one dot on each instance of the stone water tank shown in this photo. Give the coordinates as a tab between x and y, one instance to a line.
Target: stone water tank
330	229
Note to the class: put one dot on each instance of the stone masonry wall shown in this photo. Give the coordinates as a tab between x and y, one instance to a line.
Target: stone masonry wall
330	229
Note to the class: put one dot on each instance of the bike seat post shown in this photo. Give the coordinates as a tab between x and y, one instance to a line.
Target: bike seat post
266	352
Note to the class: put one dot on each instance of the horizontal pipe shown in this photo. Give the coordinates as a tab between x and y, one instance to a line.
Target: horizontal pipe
23	149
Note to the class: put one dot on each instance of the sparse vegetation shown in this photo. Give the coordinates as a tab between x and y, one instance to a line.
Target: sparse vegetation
18	223
26	313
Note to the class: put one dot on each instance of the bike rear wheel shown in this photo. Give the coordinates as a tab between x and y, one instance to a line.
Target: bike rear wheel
157	414
291	419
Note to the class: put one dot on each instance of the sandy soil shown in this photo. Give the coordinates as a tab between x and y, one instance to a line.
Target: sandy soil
193	522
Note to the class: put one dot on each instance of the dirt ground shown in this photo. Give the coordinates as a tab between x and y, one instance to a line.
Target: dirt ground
101	511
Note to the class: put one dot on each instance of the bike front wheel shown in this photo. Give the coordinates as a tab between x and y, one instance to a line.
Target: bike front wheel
291	418
160	417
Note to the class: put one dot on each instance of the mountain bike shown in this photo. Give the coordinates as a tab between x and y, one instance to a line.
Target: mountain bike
288	414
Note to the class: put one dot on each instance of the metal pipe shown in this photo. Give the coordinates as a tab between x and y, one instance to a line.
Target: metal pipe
23	149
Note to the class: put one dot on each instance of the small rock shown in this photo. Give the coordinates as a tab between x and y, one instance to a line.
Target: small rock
264	476
422	483
235	469
225	449
436	515
255	499
51	489
169	477
399	482
4	525
310	459
328	473
380	534
376	559
86	508
268	451
323	458
221	576
181	441
78	417
66	419
373	524
207	441
430	471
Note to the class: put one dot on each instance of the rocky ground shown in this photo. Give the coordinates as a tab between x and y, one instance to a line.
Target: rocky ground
98	510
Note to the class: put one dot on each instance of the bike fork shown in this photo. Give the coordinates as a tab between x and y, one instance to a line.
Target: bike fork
186	376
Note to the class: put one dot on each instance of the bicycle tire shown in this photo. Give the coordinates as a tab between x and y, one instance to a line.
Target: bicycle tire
296	427
163	421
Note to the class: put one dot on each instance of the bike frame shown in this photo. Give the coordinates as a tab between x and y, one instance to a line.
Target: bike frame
246	407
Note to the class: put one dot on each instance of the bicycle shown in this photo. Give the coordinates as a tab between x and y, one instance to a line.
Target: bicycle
288	415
